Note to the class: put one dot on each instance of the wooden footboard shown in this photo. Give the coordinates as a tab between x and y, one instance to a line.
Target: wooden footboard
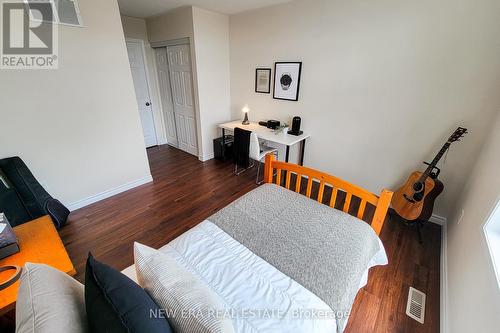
281	174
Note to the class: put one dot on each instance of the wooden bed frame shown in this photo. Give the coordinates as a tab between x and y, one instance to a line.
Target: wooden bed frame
381	202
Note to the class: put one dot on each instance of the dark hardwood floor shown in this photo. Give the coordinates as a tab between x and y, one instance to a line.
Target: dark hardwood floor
186	191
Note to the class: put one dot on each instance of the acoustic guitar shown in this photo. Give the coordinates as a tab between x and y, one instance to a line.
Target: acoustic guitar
415	199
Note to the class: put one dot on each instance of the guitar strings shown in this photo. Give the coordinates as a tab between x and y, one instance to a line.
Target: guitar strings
446	155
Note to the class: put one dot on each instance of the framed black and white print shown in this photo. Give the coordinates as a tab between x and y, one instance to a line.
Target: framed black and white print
263	80
287	80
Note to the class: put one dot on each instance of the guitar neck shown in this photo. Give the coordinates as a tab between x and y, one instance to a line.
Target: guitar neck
435	161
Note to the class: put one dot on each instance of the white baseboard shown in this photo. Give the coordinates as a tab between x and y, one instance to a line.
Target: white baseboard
172	145
443	283
440	220
205	158
109	193
162	141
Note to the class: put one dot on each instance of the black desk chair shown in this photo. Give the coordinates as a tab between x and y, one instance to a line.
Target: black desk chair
246	149
241	150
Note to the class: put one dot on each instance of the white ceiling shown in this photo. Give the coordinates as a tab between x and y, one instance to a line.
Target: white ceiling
147	8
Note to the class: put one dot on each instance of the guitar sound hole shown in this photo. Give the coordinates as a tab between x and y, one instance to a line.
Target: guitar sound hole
417	187
418	196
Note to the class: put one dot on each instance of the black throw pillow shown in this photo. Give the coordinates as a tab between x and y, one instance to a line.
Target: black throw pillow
116	304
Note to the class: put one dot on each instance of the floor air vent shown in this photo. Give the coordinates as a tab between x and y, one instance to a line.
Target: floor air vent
415	308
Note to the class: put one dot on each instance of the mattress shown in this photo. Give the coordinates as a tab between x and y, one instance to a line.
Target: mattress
325	250
280	262
257	296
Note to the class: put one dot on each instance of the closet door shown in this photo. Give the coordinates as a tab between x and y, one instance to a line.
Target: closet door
179	63
166	96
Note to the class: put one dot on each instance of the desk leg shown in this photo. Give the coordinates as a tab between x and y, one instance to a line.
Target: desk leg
302	149
287	153
223	145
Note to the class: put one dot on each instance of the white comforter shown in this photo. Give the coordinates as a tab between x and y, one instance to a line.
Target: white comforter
257	296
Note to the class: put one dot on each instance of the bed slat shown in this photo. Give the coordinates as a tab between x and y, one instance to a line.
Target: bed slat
298	182
321	191
333	199
309	187
347	202
361	209
278	177
287	183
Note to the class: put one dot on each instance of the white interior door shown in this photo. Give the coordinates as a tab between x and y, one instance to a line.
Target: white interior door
166	95
179	63
138	69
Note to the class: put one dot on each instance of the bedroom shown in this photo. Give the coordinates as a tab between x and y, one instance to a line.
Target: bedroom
382	87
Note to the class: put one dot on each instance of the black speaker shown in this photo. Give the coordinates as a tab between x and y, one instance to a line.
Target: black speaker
295	126
223	149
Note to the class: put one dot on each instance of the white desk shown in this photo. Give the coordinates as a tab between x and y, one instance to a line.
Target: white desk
267	134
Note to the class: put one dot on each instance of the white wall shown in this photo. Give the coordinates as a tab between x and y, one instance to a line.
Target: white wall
135	28
473	302
175	24
77	127
211	43
383	82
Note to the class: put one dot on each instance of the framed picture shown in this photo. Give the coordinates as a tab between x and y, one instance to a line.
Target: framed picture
263	80
287	80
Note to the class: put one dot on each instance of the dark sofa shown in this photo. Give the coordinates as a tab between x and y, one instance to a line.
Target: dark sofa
23	199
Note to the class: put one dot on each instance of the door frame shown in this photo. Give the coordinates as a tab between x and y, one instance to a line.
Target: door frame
157	112
171	42
194	82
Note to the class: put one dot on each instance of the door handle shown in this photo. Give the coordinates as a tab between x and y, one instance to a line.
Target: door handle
148	104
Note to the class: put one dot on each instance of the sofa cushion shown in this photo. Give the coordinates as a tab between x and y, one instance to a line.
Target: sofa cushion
191	305
13	208
57	211
36	200
49	301
115	303
4	181
30	191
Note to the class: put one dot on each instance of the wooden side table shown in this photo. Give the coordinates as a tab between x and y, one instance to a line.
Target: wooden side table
39	242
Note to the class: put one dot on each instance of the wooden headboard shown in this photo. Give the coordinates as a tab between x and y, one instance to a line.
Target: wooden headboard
280	173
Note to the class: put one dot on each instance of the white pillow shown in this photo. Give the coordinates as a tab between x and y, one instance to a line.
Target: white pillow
49	301
189	304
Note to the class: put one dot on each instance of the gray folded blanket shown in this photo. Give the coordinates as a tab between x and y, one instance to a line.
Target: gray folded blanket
323	249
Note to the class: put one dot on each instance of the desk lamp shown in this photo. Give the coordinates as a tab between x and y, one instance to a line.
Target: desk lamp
245	111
